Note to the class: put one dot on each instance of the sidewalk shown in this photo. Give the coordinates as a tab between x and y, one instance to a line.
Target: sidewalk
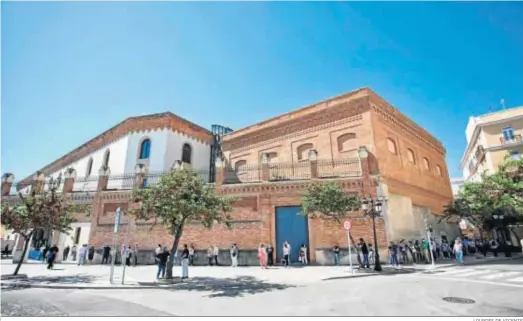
72	276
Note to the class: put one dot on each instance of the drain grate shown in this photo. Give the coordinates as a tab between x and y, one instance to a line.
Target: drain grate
459	300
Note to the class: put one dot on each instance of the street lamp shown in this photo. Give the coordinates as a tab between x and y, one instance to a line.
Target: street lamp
372	207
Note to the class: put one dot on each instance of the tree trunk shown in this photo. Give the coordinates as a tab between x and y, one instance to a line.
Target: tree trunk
357	250
26	245
169	267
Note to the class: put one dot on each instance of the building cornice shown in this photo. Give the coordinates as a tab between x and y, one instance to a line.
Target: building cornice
298	125
131	125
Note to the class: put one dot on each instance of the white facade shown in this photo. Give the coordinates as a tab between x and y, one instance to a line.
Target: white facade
165	148
457	185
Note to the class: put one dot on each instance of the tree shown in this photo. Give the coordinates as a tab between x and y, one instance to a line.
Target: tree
48	210
328	201
498	193
181	197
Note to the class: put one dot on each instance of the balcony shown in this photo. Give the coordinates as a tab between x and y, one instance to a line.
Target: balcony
516	139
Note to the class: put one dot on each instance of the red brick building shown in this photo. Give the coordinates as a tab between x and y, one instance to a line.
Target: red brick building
268	166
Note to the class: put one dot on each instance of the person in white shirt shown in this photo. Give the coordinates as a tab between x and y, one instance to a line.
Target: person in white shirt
215	253
82	252
286	253
458	251
234	255
157	251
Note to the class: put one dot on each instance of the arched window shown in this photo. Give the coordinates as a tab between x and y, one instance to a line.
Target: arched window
426	163
347	142
392	146
303	151
107	155
89	167
186	153
410	156
145	149
438	170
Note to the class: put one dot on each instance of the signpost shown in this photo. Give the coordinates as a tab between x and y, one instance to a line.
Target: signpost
117	216
347	225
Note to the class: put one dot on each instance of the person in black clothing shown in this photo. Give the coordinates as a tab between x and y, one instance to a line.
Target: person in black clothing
90	254
66	253
365	252
44	253
162	262
336	251
106	253
51	256
270	255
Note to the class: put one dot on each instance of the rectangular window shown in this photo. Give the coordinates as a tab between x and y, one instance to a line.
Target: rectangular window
508	133
515	155
77	235
145	182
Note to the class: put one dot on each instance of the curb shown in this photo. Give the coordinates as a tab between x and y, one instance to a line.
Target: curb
78	287
479	261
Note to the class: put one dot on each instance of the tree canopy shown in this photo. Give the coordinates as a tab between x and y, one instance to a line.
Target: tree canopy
498	193
181	197
48	209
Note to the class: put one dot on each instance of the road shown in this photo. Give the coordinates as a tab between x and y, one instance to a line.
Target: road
494	287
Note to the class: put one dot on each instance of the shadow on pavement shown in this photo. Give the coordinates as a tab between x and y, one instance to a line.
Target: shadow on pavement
385	272
48	279
228	287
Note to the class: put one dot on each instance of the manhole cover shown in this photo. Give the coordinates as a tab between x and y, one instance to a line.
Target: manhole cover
459	300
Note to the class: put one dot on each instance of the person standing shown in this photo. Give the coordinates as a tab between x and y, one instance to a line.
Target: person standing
393	254
106	253
286	253
191	255
51	256
81	254
162	258
209	255
185	262
336	251
426	250
73	252
128	253
494	247
371	254
234	255
66	253
270	255
44	253
215	253
90	255
458	251
365	252
262	256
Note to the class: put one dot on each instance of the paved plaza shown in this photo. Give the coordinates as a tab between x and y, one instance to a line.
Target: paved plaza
494	286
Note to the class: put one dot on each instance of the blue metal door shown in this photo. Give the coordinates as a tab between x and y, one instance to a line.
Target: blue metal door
293	228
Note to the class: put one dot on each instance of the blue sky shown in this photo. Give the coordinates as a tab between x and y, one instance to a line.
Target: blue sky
72	70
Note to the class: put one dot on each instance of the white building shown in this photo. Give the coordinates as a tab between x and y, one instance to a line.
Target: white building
457	185
156	141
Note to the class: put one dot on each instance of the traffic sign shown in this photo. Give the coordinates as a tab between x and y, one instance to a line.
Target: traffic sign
117	219
347	225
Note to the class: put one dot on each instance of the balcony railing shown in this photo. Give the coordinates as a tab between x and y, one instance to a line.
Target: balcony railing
511	140
255	173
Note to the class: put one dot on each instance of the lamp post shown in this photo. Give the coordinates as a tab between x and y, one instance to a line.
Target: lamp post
498	219
372	208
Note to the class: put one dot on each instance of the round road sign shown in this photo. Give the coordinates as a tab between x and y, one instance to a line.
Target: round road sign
347	225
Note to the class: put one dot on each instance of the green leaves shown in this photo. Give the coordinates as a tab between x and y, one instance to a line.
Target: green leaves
501	192
181	197
329	201
48	210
